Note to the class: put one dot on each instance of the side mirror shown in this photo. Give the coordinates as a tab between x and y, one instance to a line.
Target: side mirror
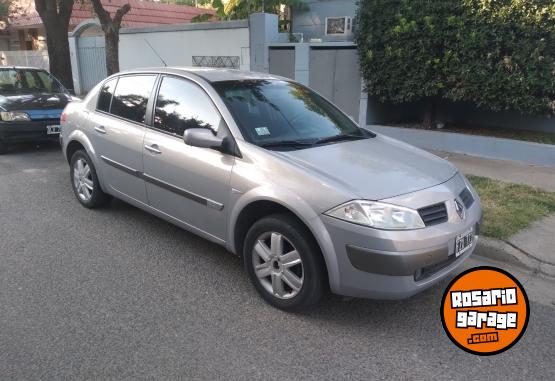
203	138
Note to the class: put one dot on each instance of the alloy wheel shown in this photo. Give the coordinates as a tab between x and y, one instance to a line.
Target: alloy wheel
82	179
278	265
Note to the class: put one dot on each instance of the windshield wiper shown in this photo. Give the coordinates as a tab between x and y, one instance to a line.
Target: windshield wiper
338	138
284	143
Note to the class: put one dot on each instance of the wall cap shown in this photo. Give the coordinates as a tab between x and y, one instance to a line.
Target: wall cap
235	24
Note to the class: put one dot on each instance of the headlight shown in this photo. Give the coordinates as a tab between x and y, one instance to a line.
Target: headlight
14	116
470	187
378	215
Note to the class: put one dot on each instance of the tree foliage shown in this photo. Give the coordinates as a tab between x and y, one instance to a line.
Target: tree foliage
5	6
241	9
498	54
10	9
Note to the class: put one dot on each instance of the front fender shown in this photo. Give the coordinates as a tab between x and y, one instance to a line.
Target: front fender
298	207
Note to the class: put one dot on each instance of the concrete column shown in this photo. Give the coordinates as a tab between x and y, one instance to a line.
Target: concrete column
302	62
263	30
363	108
74	64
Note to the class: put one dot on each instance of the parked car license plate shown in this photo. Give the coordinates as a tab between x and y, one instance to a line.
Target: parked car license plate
53	129
464	242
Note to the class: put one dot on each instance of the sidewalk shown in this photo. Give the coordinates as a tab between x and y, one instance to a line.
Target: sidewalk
510	171
532	248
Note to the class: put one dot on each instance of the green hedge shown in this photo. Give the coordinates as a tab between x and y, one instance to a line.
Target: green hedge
499	54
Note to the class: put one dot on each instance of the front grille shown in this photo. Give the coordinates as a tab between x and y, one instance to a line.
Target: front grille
466	197
433	214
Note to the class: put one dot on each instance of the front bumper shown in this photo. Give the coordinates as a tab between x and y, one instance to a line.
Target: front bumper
382	264
27	131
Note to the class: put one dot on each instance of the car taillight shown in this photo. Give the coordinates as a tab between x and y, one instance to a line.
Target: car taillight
63	117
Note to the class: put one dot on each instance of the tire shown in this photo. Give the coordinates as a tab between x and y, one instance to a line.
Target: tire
85	181
3	148
274	281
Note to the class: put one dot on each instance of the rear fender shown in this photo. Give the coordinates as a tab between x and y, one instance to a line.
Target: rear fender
80	137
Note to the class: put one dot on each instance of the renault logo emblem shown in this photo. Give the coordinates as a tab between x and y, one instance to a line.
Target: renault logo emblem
459	207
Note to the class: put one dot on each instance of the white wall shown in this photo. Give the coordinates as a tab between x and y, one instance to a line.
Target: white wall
176	44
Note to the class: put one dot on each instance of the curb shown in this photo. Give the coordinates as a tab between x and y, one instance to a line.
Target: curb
504	252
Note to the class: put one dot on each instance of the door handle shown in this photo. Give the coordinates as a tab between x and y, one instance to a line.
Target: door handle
153	148
100	129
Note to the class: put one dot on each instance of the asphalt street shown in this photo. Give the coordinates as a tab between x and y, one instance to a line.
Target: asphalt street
119	294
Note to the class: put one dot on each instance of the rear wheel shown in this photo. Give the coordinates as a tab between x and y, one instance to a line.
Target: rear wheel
284	263
3	147
85	181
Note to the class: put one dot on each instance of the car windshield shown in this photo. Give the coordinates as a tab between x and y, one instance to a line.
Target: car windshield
28	81
276	113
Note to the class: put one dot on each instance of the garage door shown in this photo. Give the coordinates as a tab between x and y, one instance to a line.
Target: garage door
92	61
282	61
335	73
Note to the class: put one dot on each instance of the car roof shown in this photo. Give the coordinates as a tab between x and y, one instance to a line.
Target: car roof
20	68
209	74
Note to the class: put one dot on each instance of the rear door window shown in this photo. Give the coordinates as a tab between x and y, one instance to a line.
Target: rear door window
131	97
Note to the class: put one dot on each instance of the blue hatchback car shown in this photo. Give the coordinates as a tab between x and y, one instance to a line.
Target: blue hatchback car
31	102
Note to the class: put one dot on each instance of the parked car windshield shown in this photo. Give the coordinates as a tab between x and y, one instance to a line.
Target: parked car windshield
28	81
276	113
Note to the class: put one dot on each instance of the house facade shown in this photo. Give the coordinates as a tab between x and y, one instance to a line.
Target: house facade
23	43
26	31
325	20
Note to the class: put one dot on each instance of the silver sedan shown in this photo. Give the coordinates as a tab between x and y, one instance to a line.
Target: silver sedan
277	174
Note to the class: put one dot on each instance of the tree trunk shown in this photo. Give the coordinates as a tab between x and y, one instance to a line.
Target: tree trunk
112	52
429	113
110	27
55	15
58	53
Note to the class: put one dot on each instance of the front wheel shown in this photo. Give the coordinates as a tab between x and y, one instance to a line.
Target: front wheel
3	147
85	181
284	263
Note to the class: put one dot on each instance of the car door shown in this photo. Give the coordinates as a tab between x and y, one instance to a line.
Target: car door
118	129
188	183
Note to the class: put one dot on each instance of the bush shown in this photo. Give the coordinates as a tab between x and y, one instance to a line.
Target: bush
498	54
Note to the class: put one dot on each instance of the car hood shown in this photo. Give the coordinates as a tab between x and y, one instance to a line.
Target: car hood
374	168
34	101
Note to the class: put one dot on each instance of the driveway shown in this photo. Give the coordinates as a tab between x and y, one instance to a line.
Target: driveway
118	294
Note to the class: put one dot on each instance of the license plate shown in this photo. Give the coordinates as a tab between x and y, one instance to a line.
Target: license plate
464	242
53	129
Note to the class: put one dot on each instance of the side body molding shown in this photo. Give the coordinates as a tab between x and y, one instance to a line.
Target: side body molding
162	184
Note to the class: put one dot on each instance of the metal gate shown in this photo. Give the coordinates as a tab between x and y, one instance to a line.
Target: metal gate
335	73
282	61
92	61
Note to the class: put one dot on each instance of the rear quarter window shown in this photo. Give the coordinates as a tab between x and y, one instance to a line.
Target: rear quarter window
105	95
